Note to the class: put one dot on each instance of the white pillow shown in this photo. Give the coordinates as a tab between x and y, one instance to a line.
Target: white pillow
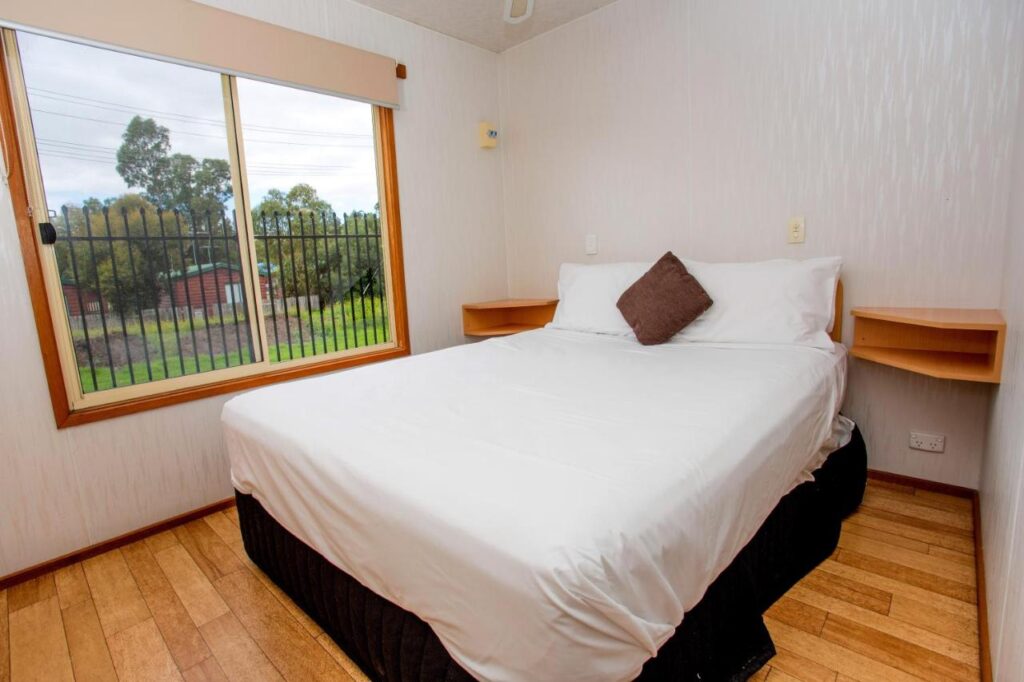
775	301
587	295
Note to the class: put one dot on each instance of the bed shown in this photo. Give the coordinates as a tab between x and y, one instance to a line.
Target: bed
550	505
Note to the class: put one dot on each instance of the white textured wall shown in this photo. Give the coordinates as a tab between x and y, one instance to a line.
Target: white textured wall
701	126
1002	484
62	490
693	125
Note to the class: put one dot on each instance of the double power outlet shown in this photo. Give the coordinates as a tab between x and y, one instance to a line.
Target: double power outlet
929	442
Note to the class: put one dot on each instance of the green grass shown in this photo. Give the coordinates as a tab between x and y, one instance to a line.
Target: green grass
316	340
347	308
133	328
316	346
105	378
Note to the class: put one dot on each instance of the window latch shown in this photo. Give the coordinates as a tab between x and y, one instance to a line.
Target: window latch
47	233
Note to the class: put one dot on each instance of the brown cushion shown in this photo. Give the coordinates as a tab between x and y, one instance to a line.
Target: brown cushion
663	301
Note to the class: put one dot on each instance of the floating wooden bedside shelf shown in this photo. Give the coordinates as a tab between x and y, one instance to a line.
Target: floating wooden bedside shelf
507	316
946	343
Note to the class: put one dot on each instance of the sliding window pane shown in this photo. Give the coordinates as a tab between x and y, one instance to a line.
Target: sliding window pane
312	178
134	161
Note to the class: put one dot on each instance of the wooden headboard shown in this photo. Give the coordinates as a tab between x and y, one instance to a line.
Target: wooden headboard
837	324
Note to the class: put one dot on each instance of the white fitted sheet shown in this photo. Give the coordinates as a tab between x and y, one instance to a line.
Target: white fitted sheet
551	503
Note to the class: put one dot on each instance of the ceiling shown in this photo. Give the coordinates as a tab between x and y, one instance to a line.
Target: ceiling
479	21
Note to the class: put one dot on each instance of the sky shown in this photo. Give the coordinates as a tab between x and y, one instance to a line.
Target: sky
82	98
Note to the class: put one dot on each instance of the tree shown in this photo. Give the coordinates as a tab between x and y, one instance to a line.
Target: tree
200	187
142	159
128	274
171	181
212	180
338	263
301	198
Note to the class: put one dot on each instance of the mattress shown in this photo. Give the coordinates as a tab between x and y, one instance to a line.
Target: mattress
551	503
722	638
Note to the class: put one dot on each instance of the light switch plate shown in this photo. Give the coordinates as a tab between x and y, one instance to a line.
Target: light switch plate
590	245
795	231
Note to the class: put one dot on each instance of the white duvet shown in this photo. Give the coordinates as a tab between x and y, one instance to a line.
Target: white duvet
550	503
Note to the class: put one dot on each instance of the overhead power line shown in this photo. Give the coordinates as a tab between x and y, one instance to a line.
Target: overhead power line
72	143
119	104
184	118
77	158
213	137
110	154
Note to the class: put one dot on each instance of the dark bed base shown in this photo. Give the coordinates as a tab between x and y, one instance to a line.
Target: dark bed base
722	638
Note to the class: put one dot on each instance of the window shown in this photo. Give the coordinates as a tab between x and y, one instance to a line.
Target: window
328	293
233	294
211	232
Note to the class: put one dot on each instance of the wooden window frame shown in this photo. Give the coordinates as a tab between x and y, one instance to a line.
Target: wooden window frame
49	344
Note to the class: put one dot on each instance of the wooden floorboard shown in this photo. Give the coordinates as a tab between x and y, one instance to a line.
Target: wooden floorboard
897	601
5	640
175	624
140	653
30	592
90	656
899	596
39	649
